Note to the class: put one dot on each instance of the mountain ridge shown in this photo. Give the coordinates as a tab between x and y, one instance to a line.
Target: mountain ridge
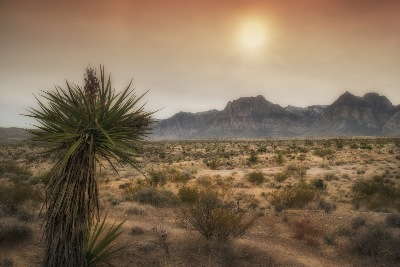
256	117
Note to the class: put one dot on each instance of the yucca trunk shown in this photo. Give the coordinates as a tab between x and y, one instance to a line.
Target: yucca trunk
72	195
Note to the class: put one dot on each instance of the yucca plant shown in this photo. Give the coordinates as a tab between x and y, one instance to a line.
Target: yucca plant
85	126
100	246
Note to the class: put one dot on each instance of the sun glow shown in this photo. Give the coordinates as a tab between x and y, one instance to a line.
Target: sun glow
252	34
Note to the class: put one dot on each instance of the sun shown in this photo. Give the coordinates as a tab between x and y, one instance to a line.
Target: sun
252	34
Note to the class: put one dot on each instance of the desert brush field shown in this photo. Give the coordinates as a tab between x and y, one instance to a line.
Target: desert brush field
263	202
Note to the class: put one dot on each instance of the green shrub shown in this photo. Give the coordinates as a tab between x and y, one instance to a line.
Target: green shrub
157	178
318	184
378	242
376	194
296	170
188	194
211	217
323	153
281	176
279	158
296	196
155	197
253	158
326	206
256	178
44	178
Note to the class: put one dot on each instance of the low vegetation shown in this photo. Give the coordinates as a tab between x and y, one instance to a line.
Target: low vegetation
239	202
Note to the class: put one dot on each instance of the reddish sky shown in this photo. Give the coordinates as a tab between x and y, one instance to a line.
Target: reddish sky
189	53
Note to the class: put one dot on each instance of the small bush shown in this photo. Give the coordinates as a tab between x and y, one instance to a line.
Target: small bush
357	222
155	197
14	232
296	196
44	178
157	178
324	152
136	230
330	177
256	178
211	217
188	194
376	241
326	206
11	167
393	220
376	194
319	184
281	176
12	197
253	158
305	230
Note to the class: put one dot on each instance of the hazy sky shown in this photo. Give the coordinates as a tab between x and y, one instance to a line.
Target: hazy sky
198	55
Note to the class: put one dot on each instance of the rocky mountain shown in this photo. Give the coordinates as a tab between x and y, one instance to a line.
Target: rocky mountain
245	117
254	117
353	115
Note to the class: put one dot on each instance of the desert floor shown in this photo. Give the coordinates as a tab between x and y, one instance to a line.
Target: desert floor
325	202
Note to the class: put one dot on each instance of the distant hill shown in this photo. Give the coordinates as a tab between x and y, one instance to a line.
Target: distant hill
255	117
13	134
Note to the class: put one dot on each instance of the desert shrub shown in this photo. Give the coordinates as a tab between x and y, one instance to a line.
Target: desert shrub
297	170
305	230
281	176
326	206
178	176
393	220
318	184
330	177
155	197
188	194
376	194
213	163
157	177
136	230
357	222
323	152
204	181
44	178
12	167
296	196
14	232
253	158
378	242
279	158
135	211
330	239
256	178
12	197
212	217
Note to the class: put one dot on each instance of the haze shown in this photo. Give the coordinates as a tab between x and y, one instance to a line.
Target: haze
194	56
